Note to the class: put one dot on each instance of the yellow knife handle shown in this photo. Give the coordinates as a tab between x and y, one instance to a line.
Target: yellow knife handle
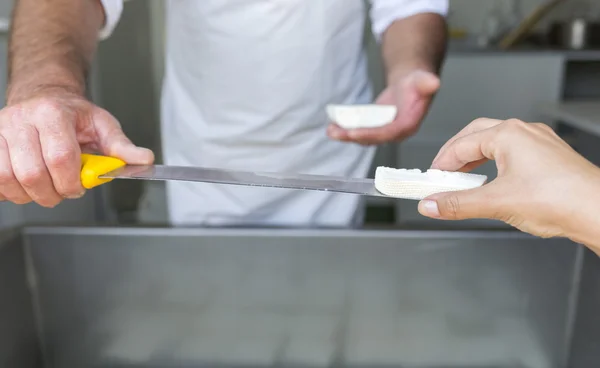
93	166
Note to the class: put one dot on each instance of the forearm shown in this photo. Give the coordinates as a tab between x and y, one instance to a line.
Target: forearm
416	42
51	45
583	218
589	233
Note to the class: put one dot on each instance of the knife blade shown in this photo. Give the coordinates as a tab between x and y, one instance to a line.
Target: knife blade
112	169
246	178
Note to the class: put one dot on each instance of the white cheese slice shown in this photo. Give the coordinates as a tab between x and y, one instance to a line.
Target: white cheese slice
361	116
414	184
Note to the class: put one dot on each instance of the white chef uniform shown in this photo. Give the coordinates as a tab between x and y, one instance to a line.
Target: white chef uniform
246	84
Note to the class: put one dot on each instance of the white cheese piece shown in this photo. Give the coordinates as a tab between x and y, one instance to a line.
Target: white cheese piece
417	185
361	116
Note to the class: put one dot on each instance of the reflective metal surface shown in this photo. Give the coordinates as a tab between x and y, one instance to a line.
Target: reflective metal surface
276	180
18	335
585	336
188	298
269	298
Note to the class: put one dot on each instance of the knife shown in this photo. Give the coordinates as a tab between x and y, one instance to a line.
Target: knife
97	170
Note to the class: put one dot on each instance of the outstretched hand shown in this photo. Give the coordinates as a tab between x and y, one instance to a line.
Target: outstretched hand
543	186
411	94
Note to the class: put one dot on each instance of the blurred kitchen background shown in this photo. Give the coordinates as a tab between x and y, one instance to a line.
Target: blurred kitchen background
531	59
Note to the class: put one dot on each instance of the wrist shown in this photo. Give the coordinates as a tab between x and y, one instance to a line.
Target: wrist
400	71
589	235
584	221
49	80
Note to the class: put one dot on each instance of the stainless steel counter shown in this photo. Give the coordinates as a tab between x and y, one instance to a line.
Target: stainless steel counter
110	297
582	115
470	48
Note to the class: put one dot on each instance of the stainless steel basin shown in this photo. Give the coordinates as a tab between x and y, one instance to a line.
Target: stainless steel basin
113	297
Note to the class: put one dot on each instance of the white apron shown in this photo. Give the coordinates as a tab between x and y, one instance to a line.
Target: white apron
246	84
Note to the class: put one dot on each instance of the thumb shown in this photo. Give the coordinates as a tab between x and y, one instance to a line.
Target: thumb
475	203
113	142
426	83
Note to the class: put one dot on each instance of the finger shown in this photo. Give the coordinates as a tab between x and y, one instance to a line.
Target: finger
472	165
466	150
61	154
479	203
29	166
10	189
392	131
113	142
337	133
404	125
387	97
475	126
425	83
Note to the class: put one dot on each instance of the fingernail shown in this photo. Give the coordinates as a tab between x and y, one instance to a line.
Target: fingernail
429	208
75	196
149	156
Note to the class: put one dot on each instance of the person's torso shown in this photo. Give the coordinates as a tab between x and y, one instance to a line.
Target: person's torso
247	82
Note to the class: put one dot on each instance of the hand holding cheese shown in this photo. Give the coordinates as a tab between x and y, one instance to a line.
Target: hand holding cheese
543	186
407	96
